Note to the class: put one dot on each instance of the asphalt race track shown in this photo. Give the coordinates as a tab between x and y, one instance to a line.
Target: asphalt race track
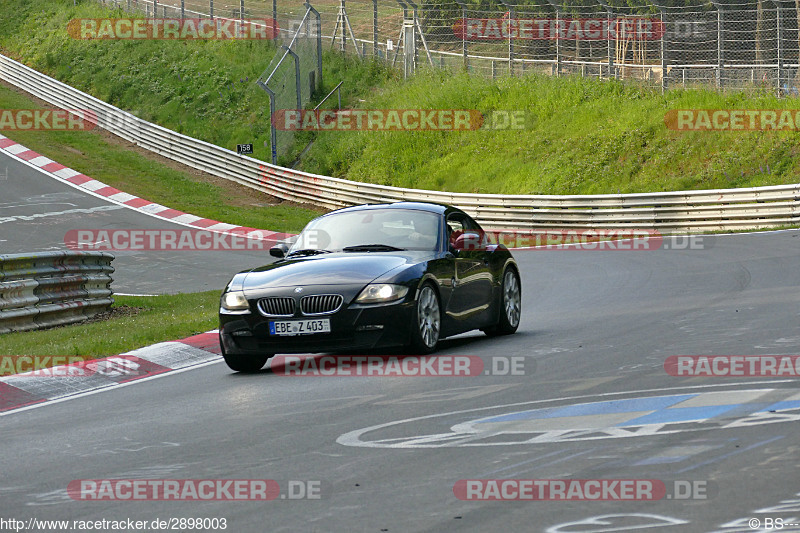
52	208
590	400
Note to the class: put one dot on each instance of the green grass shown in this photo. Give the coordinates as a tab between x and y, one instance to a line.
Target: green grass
116	165
584	136
161	318
205	89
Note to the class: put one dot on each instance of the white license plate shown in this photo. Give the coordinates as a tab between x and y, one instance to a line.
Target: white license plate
300	327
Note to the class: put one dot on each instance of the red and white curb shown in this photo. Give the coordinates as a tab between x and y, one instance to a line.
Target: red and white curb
33	389
98	188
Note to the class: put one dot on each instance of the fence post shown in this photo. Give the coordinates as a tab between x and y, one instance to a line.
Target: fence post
183	9
463	32
779	31
608	40
273	137
344	30
511	16
211	8
418	26
318	31
558	40
720	48
297	86
409	48
275	17
155	9
374	28
663	54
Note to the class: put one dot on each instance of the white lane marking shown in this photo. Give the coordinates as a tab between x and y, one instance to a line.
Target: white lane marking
100	196
29	204
607	523
129	294
110	387
353	438
35	216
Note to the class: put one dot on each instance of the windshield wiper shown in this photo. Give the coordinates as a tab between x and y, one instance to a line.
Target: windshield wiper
308	251
372	248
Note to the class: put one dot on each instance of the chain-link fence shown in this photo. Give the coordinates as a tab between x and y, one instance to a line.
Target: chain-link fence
716	43
293	74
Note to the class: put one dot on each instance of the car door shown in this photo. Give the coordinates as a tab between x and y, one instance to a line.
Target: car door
472	282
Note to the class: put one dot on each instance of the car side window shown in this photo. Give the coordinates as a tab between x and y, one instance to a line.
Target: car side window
458	224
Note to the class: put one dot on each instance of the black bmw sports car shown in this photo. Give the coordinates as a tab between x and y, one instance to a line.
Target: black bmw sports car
371	276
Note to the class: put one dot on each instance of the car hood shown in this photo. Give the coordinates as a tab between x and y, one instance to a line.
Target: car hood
329	269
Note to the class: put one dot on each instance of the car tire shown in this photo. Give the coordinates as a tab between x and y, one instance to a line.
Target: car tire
427	321
245	363
510	305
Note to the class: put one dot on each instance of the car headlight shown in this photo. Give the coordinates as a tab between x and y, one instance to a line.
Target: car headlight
380	293
234	302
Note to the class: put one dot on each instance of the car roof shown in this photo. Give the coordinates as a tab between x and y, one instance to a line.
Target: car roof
419	206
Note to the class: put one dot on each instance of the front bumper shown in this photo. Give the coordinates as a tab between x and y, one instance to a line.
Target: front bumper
354	327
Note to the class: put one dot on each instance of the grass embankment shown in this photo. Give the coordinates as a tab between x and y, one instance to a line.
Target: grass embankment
102	157
139	321
584	136
205	89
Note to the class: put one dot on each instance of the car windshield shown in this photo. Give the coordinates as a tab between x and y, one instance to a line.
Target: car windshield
370	230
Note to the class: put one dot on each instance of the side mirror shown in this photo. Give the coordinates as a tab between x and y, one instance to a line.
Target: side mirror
469	241
279	250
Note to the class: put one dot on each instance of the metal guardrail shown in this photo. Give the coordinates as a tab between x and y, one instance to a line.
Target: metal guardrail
53	288
704	210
